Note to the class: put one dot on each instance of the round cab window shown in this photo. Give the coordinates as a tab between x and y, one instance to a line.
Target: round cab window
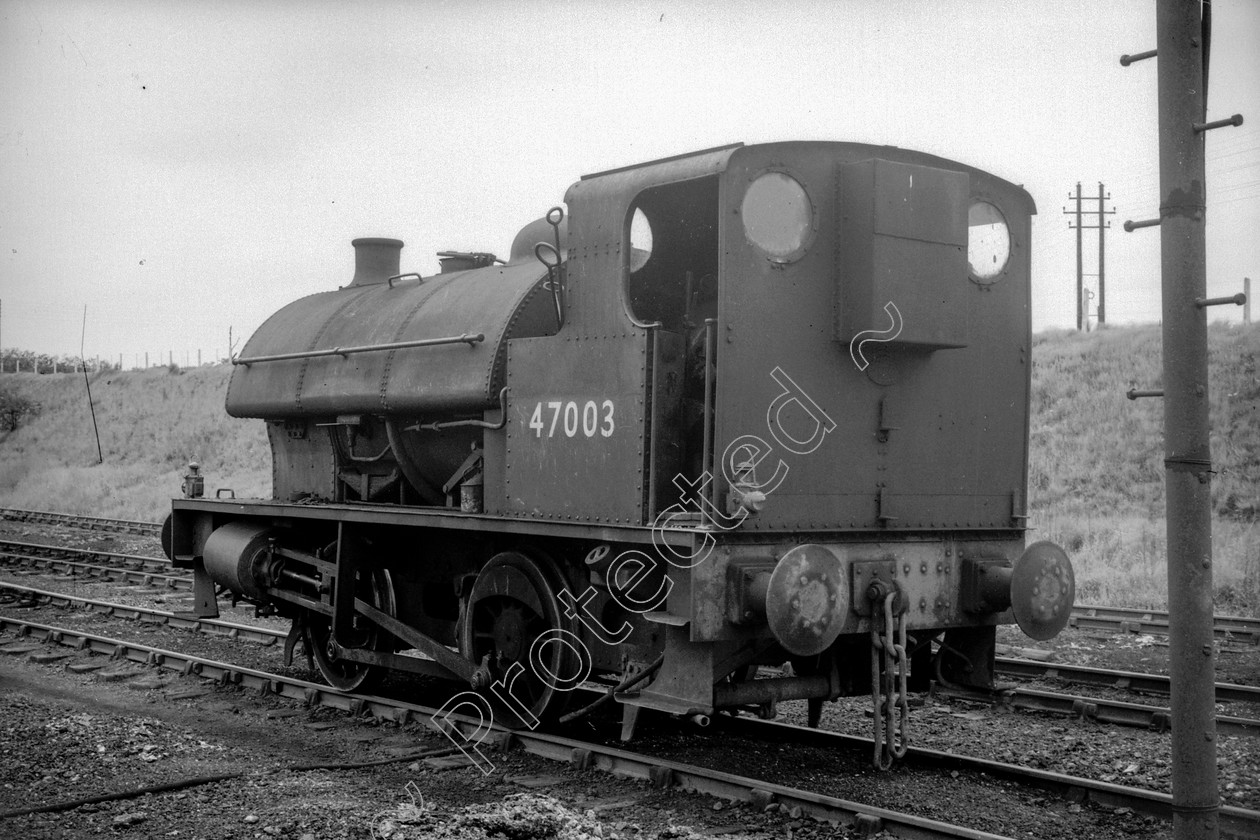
988	242
640	240
778	217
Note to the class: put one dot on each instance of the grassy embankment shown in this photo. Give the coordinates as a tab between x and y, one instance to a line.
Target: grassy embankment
1095	477
152	423
1096	471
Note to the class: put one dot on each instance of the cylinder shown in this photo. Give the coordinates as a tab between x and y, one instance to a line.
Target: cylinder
234	556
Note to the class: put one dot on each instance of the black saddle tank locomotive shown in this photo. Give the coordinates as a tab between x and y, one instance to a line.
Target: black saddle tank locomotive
746	406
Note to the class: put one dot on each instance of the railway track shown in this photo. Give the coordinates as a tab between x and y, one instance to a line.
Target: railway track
103	565
109	566
1230	628
1084	616
91	523
1103	709
265	636
1130	681
1237	822
585	755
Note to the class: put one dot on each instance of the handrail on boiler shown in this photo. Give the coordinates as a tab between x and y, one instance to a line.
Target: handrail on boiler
464	338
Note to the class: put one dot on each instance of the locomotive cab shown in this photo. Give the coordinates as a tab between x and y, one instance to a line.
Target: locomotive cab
864	393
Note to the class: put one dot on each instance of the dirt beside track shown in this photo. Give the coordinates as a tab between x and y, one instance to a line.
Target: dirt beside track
68	737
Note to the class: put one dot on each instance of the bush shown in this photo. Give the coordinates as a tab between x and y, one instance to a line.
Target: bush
14	408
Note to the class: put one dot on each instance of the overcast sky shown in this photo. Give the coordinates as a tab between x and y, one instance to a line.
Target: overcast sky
182	168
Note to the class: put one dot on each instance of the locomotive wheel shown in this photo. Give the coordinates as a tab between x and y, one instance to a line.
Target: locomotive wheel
378	590
512	603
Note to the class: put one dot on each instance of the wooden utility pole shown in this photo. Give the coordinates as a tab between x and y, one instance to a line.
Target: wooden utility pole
1082	303
100	457
1183	33
1102	274
1187	456
1080	285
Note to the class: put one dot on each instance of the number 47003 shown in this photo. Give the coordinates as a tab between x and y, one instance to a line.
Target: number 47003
572	417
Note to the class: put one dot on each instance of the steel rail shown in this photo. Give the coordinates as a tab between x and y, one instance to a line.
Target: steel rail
1131	681
1100	709
92	523
1084	616
134	562
1234	628
1236	822
265	636
106	573
583	755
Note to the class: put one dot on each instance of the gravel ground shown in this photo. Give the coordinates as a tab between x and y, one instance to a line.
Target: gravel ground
62	535
1086	748
63	744
67	737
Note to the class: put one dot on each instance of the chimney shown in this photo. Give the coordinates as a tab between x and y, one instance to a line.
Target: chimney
375	260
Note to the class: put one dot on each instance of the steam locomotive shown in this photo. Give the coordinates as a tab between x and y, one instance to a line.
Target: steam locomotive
740	407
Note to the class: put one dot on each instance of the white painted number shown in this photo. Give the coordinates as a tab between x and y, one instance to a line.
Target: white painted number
588	414
535	422
590	418
555	415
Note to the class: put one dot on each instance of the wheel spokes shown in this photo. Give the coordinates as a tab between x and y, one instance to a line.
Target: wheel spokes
377	589
511	605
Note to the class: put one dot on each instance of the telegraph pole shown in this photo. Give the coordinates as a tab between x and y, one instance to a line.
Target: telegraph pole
1183	32
1187	456
1082	306
1102	274
1080	289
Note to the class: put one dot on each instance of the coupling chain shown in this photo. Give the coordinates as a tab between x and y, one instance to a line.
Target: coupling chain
888	684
